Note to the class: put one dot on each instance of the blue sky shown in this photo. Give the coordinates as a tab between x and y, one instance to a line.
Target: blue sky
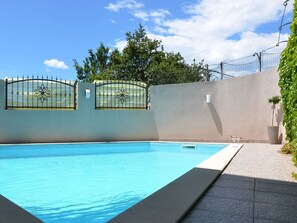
43	37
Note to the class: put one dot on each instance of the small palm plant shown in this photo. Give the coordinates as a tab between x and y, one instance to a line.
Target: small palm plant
274	100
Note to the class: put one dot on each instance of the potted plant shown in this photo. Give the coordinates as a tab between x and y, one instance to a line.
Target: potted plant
273	130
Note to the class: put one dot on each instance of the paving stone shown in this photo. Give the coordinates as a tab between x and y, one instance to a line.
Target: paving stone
233	193
269	181
276	198
260	220
256	187
201	216
235	184
277	188
275	212
224	205
236	177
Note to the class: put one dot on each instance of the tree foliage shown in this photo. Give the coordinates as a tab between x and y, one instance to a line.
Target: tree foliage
95	65
143	59
288	80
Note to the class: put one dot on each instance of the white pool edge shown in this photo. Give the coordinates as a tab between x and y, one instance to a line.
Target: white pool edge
221	159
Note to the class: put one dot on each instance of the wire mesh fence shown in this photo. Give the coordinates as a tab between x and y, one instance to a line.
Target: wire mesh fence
248	65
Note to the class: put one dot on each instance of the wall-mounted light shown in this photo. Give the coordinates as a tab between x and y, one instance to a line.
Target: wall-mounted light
88	93
208	98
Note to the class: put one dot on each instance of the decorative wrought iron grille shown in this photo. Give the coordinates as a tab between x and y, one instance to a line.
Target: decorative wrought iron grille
40	93
121	95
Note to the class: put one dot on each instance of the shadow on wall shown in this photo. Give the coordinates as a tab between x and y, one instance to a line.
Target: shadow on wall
279	116
216	118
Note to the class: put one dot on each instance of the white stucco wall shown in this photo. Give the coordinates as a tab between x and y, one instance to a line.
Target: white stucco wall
83	124
179	112
239	107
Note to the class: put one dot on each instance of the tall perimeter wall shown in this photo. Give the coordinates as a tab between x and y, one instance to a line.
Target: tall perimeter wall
179	112
83	124
239	107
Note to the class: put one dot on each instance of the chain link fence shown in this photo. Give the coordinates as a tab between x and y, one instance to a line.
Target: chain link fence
247	65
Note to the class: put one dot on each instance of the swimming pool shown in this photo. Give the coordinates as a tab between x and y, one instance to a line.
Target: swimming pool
92	182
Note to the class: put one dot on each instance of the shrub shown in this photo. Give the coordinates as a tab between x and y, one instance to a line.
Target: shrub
294	147
288	148
288	83
288	80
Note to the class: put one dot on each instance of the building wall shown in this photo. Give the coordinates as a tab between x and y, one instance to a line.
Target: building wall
179	112
239	107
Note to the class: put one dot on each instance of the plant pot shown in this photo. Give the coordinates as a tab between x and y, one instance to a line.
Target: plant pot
272	134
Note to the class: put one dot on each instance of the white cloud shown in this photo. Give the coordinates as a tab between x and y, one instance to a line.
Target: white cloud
56	64
124	4
225	17
157	16
120	44
136	9
207	32
141	15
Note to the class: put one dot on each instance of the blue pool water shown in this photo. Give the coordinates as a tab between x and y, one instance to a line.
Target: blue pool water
91	182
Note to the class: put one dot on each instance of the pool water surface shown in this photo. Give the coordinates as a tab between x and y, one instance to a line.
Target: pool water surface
91	182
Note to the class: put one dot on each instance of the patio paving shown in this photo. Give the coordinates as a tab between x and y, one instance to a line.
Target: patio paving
255	187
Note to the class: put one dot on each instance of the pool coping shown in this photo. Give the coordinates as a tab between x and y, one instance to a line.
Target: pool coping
169	204
172	202
12	213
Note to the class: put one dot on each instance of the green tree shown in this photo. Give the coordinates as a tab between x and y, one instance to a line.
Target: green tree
167	68
143	59
196	72
288	81
95	66
139	54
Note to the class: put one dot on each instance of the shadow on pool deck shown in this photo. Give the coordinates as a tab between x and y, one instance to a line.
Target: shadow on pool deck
245	199
255	187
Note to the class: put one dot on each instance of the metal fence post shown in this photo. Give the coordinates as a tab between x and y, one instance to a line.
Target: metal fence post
260	61
6	94
207	73
75	94
259	56
222	70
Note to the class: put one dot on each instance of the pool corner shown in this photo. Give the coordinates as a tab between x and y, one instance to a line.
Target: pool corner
172	202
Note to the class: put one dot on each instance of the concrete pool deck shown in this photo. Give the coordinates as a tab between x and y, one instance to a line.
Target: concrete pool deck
255	187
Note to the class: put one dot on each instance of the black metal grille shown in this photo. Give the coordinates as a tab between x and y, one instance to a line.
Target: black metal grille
40	93
121	95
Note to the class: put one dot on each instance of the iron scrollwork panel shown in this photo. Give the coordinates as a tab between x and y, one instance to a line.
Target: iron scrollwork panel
121	95
39	93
